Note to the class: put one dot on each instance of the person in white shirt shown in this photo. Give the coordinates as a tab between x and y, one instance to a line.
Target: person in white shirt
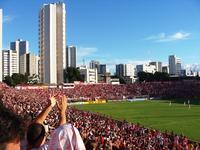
65	137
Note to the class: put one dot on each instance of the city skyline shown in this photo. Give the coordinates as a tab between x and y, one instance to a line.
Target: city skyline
111	32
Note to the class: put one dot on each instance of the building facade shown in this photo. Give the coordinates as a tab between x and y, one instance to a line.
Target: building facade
90	75
1	23
125	70
9	62
165	69
129	70
71	56
178	66
21	46
102	69
146	68
95	65
52	42
174	65
29	64
158	65
120	70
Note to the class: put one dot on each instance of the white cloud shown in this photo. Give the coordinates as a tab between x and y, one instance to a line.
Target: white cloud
162	37
7	18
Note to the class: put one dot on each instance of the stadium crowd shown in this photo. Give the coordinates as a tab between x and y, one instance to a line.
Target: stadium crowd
103	132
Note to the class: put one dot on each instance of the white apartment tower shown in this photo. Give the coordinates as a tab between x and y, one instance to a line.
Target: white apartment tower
52	42
174	65
90	75
125	70
9	62
1	22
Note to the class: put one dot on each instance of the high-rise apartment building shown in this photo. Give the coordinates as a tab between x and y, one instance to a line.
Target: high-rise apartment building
158	65
9	62
120	70
146	68
129	70
1	22
29	64
165	69
21	46
71	56
178	66
174	65
95	65
125	70
102	69
52	42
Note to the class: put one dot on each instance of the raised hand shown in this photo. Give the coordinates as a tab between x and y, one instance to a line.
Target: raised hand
62	105
52	101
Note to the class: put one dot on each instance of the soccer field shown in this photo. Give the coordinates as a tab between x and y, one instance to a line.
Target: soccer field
154	114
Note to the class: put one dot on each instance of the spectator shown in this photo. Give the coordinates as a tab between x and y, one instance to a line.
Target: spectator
11	129
64	137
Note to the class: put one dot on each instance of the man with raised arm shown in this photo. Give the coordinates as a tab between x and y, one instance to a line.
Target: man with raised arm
65	137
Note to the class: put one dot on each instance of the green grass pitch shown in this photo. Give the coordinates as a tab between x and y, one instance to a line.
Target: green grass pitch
154	114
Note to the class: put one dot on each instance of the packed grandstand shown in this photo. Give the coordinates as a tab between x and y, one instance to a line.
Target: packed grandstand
98	131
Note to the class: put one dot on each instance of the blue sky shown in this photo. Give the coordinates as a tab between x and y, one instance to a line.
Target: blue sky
115	31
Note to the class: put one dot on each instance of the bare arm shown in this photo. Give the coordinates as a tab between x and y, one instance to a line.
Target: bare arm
62	106
42	116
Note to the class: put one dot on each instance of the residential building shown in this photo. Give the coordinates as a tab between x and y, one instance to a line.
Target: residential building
125	70
146	68
29	64
9	62
71	56
174	65
183	72
90	75
52	42
129	70
1	23
21	46
158	65
178	66
165	69
95	65
102	69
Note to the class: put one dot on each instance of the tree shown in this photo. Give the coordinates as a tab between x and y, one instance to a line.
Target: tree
72	74
161	76
16	79
9	81
157	76
142	76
